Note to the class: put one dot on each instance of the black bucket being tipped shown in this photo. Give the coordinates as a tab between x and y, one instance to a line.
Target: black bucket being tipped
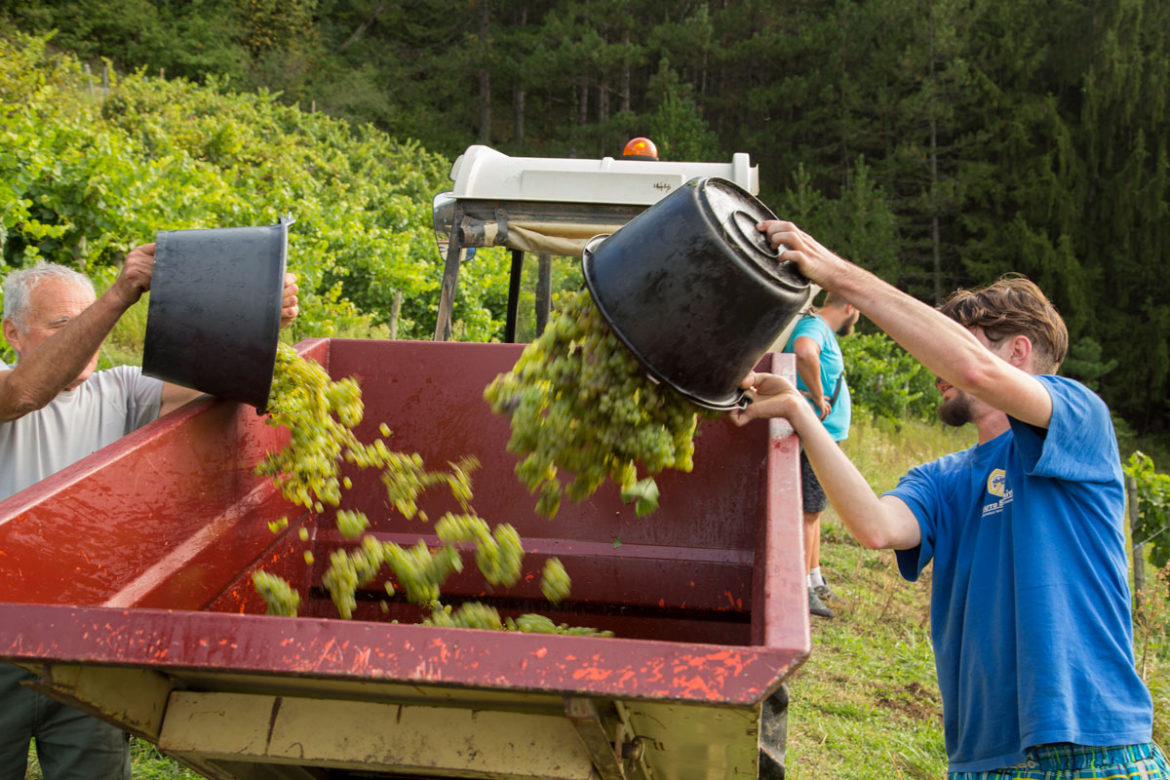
214	318
695	290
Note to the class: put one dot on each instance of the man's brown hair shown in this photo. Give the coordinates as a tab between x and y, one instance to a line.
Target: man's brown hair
837	300
1013	305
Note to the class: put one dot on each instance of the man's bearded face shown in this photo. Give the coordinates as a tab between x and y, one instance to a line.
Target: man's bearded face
956	411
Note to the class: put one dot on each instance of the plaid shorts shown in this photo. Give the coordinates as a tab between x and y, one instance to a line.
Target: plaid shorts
812	494
1080	762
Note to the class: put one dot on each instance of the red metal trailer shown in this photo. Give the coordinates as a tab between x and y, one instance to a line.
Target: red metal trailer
125	584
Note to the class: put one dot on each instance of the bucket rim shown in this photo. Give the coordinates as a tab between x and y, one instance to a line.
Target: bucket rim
155	364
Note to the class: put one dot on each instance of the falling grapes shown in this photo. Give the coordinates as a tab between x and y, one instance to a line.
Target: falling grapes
554	581
579	401
278	595
320	415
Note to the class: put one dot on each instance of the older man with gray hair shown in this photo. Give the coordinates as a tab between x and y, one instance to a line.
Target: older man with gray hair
55	409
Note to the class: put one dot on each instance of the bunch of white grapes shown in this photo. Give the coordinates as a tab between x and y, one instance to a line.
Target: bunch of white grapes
279	597
476	615
579	401
320	415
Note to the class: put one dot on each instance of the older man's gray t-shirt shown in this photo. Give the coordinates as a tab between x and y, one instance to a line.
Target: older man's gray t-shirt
78	422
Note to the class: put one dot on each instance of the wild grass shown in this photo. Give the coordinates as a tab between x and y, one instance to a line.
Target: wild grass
146	763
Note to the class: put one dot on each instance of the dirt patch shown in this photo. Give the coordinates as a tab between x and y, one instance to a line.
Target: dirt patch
914	700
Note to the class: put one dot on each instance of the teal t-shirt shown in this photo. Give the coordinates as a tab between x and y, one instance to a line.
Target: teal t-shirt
832	368
1030	602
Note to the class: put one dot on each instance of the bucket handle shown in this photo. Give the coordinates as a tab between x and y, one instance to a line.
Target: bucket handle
745	225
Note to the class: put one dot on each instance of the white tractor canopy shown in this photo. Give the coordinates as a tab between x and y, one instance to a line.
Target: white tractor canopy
550	206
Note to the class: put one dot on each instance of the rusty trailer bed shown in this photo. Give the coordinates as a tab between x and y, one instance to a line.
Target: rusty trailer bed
125	585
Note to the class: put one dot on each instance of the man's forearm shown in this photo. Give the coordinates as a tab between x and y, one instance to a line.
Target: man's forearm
809	370
944	346
866	517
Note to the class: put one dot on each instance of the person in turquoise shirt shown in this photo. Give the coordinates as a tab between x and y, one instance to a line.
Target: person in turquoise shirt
820	369
1030	607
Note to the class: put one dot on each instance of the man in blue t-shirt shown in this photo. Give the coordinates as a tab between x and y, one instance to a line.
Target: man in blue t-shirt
820	375
1030	602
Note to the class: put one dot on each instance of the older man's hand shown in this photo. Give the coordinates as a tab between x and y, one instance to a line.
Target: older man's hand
136	274
289	308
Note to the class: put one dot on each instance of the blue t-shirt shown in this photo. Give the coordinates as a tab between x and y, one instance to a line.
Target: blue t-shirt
1030	603
832	369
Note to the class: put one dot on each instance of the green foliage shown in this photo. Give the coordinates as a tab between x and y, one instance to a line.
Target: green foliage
1153	500
86	173
861	220
1085	363
885	381
677	125
146	763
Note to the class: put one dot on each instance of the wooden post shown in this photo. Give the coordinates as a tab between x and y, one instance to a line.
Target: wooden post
1139	564
395	310
450	279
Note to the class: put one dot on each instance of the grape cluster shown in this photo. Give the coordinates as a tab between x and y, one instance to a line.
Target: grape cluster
470	615
320	415
350	570
579	401
476	615
421	571
554	581
499	554
352	523
279	597
539	624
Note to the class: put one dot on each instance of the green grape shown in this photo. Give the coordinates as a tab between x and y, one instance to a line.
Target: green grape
440	616
530	623
351	523
499	557
319	414
473	614
453	529
341	580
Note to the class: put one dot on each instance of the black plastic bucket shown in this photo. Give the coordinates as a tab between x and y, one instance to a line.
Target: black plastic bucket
214	316
695	290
